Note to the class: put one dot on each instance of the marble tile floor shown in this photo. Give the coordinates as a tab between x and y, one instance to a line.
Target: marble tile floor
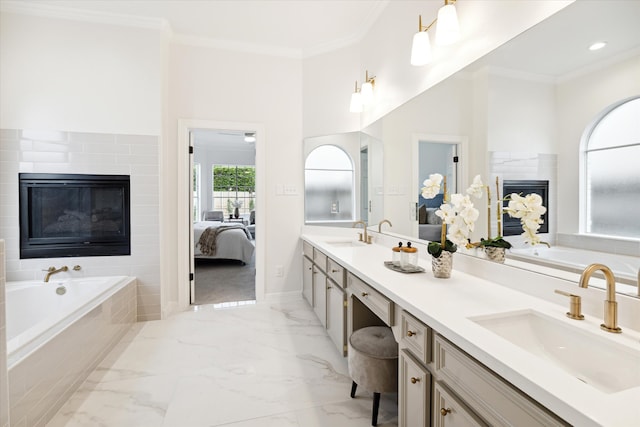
268	365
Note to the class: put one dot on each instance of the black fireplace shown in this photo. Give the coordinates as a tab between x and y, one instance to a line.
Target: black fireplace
68	215
512	226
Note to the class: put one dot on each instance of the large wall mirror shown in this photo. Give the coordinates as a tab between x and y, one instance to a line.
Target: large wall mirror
520	114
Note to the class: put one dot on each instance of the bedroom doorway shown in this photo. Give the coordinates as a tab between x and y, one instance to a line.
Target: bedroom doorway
195	202
224	202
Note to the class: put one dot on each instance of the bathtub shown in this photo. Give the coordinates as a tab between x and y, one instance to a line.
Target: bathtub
624	267
57	333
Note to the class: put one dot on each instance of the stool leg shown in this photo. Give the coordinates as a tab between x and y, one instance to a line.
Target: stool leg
376	405
353	389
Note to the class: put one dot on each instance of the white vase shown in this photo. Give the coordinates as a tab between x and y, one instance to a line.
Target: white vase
442	265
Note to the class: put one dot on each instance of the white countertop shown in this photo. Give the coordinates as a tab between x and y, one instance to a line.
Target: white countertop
446	304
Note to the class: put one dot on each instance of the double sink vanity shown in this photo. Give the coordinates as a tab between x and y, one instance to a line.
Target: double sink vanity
473	349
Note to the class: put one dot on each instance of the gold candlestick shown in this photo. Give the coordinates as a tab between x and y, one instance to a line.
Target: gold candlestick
488	213
443	233
499	207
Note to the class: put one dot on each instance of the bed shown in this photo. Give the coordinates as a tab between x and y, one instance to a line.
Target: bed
233	243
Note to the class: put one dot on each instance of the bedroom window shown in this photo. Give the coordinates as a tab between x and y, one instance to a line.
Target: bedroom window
328	185
234	185
196	192
612	178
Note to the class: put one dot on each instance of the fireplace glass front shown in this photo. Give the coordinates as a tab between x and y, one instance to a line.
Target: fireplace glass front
68	215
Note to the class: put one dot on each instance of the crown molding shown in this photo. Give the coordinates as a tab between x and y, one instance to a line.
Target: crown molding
236	46
58	12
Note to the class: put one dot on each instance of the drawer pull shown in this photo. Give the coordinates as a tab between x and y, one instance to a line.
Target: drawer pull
444	411
415	380
410	333
329	287
335	271
364	294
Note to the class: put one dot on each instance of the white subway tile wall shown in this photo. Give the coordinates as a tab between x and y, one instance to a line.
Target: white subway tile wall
89	153
4	386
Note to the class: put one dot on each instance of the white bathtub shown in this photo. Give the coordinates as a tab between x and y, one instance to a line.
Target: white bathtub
36	312
624	267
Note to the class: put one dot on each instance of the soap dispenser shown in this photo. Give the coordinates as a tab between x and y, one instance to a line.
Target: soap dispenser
409	258
396	253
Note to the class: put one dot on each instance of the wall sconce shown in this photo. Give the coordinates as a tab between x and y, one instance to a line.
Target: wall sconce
448	29
356	101
366	91
421	47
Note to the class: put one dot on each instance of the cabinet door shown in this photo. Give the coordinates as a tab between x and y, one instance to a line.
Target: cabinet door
320	295
448	411
414	392
336	316
307	280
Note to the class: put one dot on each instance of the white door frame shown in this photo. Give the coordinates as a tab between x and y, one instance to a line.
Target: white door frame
185	240
461	170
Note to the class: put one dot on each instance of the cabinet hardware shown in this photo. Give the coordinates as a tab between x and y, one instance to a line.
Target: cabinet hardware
444	411
329	287
415	380
410	333
364	294
335	271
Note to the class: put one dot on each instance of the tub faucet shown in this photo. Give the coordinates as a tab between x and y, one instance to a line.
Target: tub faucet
364	229
610	305
52	270
382	222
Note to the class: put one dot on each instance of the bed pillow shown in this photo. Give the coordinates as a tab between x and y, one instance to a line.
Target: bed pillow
422	214
432	218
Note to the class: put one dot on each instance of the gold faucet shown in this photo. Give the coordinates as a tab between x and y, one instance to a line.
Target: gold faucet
610	305
52	270
382	222
366	237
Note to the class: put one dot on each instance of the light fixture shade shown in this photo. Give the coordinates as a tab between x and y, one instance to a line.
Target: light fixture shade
356	103
448	28
420	49
366	93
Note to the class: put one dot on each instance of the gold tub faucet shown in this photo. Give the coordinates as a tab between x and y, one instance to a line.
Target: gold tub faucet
610	305
52	270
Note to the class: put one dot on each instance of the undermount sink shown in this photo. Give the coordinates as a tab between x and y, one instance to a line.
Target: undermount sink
345	243
605	365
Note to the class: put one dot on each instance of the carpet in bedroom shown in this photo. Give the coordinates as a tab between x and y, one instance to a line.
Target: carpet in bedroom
218	281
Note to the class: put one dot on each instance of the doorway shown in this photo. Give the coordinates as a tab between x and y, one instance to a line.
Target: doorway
224	226
186	243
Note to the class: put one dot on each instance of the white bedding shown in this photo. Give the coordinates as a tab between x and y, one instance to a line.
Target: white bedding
230	244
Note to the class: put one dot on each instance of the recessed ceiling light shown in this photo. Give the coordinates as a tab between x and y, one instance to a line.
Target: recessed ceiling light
597	45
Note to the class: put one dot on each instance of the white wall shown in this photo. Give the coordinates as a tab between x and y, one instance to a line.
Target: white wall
218	85
74	76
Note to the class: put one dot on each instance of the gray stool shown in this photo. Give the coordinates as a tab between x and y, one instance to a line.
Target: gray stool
373	363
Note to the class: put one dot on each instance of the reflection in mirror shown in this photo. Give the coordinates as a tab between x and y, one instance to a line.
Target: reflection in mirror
524	110
366	156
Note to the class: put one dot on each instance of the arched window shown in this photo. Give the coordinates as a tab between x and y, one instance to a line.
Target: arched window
612	171
328	185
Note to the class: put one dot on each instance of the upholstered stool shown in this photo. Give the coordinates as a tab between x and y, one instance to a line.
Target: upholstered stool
373	363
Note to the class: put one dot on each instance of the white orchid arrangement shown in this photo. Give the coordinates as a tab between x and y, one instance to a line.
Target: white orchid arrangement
529	210
236	203
458	214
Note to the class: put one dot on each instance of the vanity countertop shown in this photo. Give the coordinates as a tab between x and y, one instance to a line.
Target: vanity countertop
447	304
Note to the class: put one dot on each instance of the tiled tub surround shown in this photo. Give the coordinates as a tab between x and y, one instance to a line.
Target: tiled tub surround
478	287
4	390
41	382
88	153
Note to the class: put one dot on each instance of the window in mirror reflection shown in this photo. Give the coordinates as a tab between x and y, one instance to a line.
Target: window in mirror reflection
613	177
328	186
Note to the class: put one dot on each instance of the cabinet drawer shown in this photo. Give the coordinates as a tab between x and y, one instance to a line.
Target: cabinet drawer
416	336
490	396
320	259
380	305
336	272
307	249
414	396
448	411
